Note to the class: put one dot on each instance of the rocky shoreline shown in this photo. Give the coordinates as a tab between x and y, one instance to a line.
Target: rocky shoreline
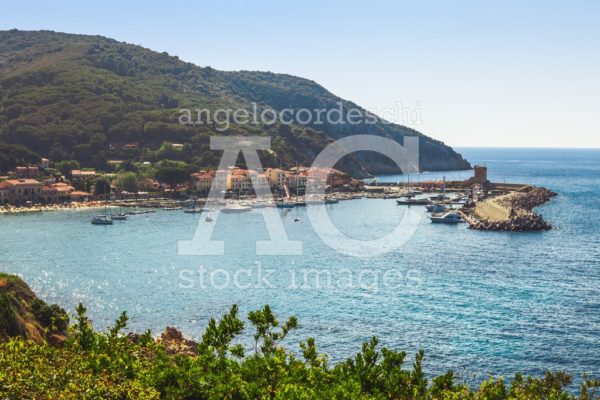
511	212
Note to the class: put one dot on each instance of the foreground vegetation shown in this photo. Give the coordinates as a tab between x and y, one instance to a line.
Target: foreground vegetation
112	365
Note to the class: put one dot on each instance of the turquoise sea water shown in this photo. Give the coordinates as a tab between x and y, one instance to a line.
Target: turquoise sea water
477	302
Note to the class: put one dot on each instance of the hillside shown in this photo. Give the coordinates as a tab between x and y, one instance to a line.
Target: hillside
23	314
80	97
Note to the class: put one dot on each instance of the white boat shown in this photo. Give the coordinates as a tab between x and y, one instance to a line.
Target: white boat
450	217
235	209
119	217
208	218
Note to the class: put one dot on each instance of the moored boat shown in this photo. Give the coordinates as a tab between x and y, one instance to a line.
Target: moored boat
102	220
451	217
435	207
235	209
412	202
119	217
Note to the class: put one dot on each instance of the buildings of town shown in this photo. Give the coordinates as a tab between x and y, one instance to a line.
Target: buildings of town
275	179
29	186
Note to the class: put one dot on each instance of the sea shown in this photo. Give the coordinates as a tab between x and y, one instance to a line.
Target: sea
476	302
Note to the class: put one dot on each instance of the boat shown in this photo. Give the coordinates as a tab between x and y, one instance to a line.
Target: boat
407	201
235	209
193	211
450	217
331	201
119	217
105	219
208	218
102	220
300	203
296	219
435	207
285	204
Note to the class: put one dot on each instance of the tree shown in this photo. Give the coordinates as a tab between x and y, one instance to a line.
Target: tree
127	181
173	173
66	167
102	187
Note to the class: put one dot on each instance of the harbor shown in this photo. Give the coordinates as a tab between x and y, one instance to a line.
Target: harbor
482	204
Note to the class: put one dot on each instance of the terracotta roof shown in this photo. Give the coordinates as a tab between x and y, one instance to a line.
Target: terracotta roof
204	175
20	182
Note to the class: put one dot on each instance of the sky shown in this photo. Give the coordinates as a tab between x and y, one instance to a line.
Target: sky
468	73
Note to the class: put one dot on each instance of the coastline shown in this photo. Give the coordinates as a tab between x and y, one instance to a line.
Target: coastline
10	210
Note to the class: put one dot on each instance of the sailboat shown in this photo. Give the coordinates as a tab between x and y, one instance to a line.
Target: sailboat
409	200
120	216
193	209
103	219
330	200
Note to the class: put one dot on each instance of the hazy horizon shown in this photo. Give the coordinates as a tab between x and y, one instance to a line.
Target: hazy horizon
479	75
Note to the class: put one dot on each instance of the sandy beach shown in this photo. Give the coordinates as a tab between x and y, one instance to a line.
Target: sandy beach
10	210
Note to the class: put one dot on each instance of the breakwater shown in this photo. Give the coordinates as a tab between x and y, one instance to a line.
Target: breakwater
510	212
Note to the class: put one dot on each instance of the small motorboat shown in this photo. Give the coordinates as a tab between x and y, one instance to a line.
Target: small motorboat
208	218
285	204
451	217
331	201
102	220
119	217
235	209
407	201
296	219
193	211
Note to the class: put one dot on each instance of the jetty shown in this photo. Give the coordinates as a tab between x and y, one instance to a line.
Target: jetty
512	211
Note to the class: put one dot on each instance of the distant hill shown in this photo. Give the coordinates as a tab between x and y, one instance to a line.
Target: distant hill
95	99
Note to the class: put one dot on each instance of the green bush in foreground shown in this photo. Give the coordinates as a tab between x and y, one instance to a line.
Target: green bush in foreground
109	365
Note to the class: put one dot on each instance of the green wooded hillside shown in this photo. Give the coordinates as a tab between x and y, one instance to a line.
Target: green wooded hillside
66	96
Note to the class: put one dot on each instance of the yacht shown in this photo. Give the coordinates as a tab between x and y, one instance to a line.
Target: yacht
450	217
235	209
408	201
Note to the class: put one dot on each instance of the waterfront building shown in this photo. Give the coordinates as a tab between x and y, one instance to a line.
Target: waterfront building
276	177
59	192
5	191
23	190
202	181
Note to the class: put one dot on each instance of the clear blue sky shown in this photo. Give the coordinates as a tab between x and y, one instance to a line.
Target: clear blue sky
505	73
